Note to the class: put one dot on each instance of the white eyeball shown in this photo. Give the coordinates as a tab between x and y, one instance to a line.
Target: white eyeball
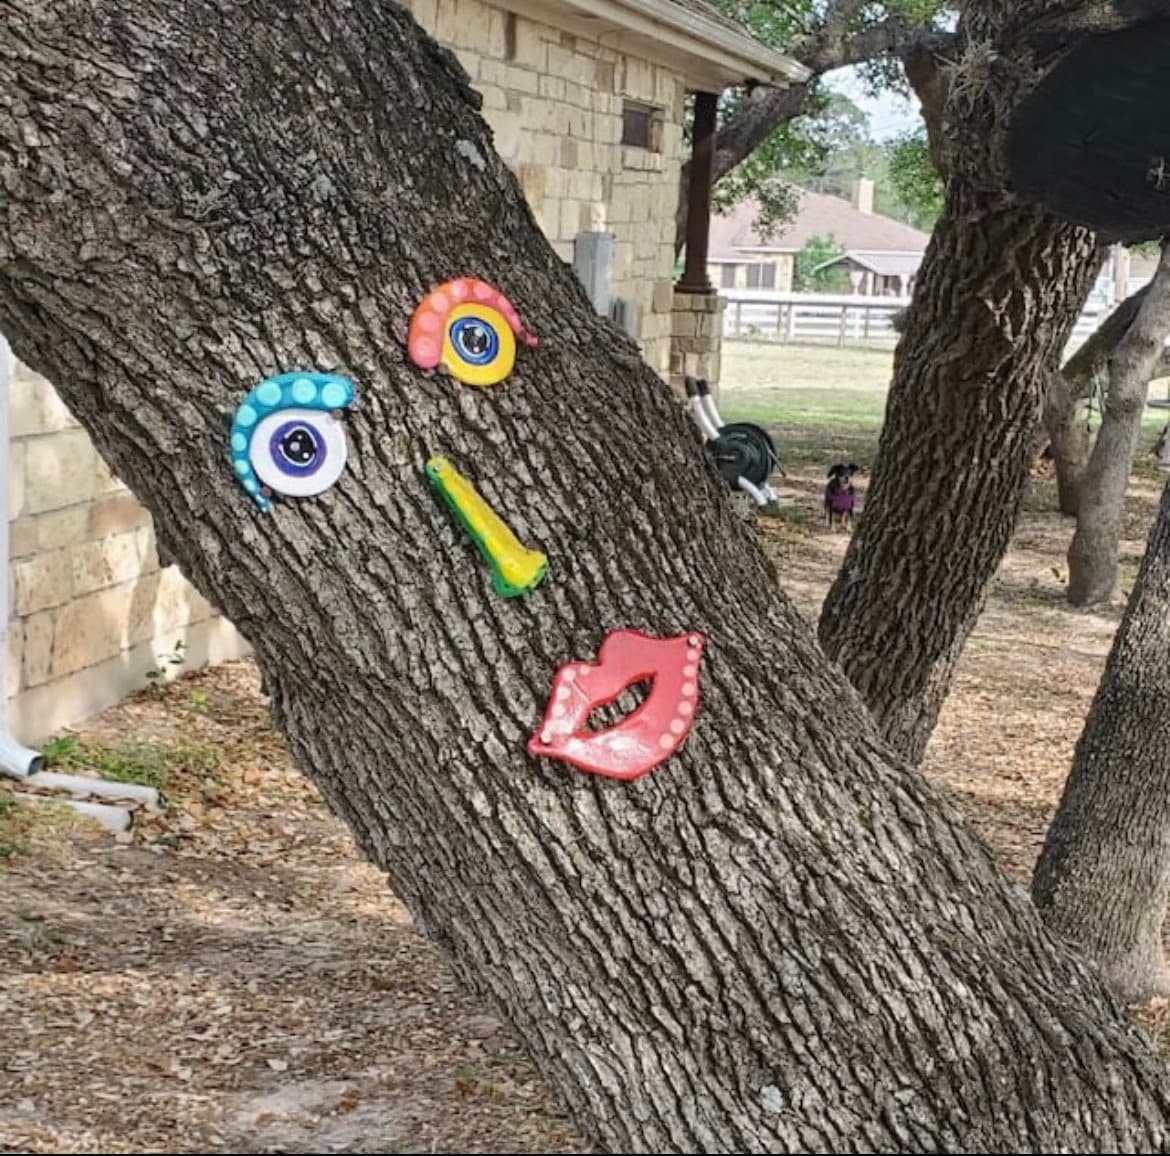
298	452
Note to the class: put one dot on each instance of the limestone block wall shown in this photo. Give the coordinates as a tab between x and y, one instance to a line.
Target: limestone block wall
90	608
554	102
698	338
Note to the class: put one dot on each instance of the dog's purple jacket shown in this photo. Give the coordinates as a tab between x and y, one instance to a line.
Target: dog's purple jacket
841	501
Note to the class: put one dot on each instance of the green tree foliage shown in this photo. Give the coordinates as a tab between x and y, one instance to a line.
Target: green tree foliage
796	150
913	178
828	142
808	277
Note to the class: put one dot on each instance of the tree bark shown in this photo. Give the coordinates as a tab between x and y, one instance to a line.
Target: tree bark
781	940
1065	414
1066	423
999	291
1103	878
995	301
1093	554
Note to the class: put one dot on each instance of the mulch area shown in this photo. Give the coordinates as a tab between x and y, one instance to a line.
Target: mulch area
234	978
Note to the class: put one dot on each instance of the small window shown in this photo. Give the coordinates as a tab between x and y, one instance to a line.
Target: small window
642	125
727	277
761	276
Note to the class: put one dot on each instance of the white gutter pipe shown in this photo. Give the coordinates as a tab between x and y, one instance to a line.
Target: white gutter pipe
15	759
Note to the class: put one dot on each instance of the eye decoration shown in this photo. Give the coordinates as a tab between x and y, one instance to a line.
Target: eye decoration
467	328
287	437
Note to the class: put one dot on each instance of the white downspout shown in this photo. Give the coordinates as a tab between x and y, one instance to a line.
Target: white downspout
15	760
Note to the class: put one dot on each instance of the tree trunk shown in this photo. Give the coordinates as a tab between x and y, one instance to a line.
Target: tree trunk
999	291
1093	555
780	940
1103	878
1066	422
1065	413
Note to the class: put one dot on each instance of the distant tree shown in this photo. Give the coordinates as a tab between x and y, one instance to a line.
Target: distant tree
914	179
824	37
808	277
794	155
1093	565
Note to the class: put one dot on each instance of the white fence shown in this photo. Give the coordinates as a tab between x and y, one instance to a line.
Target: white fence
834	319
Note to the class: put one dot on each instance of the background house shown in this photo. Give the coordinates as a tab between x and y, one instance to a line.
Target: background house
586	99
881	255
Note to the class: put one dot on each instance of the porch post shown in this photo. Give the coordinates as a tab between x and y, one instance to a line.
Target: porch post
694	278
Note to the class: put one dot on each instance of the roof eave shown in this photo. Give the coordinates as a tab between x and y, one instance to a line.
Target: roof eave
728	56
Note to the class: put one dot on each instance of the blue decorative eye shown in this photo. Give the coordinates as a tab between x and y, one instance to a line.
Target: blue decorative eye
285	438
475	339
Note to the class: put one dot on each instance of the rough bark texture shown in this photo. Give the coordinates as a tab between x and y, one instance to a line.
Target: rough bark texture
1093	554
1065	414
1103	878
999	291
783	939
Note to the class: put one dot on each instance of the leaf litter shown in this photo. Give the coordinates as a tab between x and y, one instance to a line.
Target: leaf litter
235	978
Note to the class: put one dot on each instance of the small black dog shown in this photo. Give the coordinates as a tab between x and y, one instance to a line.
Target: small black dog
840	496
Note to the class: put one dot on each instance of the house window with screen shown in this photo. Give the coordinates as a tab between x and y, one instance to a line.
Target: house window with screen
761	276
642	125
727	277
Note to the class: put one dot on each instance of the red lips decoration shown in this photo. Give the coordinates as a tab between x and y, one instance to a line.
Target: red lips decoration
648	735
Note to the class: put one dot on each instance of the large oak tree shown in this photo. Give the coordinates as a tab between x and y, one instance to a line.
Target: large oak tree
781	940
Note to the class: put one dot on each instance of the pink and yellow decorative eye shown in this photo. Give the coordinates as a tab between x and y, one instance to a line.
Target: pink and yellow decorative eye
467	328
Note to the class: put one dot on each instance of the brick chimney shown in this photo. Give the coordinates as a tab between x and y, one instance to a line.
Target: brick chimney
863	195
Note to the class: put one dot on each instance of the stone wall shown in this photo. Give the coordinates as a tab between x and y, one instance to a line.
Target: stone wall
554	102
698	338
90	607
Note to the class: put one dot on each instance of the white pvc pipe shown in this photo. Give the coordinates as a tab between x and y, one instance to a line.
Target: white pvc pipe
761	497
15	759
705	424
115	819
710	412
82	786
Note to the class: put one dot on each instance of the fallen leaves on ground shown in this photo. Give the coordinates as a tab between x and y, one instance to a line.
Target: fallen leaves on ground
237	979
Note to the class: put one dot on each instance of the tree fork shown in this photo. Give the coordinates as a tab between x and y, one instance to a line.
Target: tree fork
781	940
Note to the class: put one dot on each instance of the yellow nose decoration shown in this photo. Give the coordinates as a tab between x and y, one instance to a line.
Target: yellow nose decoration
515	569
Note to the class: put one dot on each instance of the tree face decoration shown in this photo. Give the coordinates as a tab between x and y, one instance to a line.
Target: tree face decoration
515	569
287	437
645	737
467	328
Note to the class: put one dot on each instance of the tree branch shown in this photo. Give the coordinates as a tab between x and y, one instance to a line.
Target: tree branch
828	50
922	62
1093	356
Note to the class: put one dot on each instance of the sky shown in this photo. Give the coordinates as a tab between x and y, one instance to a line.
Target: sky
890	115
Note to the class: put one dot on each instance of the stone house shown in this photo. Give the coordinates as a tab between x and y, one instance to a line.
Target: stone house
880	255
586	99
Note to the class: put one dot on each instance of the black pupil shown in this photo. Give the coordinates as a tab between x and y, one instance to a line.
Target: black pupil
299	447
475	339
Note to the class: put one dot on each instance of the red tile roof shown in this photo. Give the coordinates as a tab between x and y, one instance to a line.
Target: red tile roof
819	215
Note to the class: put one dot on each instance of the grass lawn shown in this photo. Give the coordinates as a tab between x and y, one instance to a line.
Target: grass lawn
822	396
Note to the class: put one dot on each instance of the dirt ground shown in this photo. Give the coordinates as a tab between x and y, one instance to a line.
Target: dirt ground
233	978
